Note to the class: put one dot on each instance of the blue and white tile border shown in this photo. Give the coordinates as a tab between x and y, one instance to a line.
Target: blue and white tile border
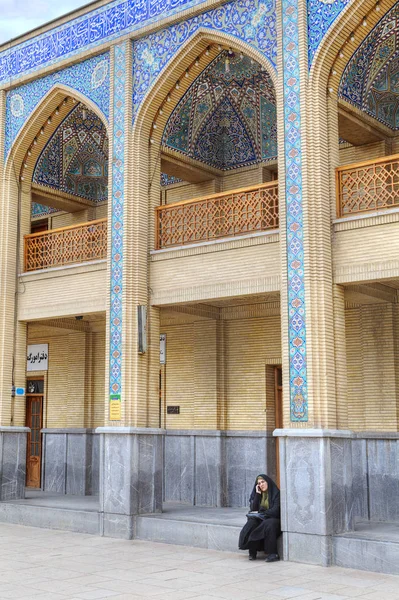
117	225
294	212
251	21
321	15
82	77
84	33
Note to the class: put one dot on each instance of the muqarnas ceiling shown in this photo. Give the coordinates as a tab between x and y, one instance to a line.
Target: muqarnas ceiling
371	78
75	159
227	118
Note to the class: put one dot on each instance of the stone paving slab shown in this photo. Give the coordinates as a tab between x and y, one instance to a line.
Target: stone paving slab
40	564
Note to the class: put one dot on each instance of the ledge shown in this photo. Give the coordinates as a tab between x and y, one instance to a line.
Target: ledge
337	433
228	243
370	219
14	429
75	430
60	271
130	431
218	433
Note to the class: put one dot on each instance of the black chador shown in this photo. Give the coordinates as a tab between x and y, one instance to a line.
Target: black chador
261	531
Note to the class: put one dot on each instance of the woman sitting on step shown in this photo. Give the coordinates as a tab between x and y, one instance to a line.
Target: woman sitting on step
263	526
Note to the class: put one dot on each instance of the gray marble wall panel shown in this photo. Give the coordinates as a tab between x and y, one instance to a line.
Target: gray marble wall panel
383	464
95	465
179	468
216	468
209	483
115	474
246	457
341	484
77	472
131	464
308	485
148	479
55	461
12	463
360	505
70	465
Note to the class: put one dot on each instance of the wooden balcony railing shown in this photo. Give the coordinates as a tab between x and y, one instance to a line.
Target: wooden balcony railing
366	186
232	213
67	245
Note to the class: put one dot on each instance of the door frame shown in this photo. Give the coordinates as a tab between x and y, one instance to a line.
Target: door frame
28	397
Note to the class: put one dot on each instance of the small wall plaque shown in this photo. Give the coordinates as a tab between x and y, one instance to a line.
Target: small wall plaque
173	410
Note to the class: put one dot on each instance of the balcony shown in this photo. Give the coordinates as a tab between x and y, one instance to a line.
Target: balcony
234	213
65	246
368	186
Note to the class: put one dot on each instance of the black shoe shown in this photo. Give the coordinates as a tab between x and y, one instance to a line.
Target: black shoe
252	556
272	558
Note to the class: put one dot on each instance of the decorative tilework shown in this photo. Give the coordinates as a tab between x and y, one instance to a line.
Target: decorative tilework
115	366
371	78
39	210
169	180
75	159
90	77
293	183
88	31
227	118
321	15
252	21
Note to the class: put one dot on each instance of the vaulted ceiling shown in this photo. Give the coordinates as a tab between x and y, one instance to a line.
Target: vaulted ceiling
75	159
227	118
371	79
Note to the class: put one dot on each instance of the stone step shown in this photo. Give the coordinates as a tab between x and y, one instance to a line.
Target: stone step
371	547
77	519
188	533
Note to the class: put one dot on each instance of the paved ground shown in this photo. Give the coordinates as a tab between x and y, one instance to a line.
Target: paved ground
39	564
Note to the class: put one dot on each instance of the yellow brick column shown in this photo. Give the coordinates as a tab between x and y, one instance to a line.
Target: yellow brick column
131	455
12	338
12	335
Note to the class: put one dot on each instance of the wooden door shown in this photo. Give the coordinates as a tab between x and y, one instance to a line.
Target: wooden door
34	420
278	405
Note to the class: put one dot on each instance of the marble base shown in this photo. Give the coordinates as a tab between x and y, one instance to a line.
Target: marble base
329	480
215	468
12	462
70	461
131	483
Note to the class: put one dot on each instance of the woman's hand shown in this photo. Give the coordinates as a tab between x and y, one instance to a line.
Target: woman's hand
257	489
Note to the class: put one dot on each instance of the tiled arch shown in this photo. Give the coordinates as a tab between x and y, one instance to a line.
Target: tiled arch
370	80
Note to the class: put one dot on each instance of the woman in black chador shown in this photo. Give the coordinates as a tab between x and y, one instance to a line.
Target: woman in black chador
263	526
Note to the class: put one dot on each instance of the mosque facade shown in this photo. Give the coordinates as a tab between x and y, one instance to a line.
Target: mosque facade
198	198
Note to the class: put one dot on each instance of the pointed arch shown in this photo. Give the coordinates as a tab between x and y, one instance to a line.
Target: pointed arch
59	97
343	39
175	70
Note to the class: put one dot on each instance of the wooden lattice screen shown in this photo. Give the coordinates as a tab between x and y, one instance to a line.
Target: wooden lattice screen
237	212
366	186
67	245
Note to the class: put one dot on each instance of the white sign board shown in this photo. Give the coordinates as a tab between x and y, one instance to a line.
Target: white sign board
162	349
37	358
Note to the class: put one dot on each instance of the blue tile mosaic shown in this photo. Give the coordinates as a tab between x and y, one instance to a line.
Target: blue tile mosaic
75	159
294	211
118	166
371	77
252	21
227	117
90	78
39	210
321	15
88	31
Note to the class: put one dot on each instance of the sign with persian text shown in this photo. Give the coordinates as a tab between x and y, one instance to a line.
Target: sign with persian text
37	358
